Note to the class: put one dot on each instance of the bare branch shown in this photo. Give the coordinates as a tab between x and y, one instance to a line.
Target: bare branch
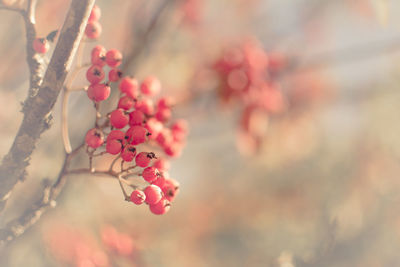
38	106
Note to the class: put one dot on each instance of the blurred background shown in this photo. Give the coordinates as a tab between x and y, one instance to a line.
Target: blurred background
310	180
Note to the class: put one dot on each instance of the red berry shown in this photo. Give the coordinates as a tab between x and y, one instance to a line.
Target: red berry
170	189
164	138
98	55
136	117
93	30
40	45
153	194
150	86
129	86
180	125
95	13
154	127
136	135
150	174
114	146
164	102
160	207
162	164
126	102
95	74
114	75
113	58
98	92
146	106
116	134
160	181
138	197
173	150
163	114
94	138
128	153
143	159
119	119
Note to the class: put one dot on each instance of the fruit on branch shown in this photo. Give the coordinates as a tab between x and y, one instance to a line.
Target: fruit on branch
95	14
138	197
98	55
113	58
94	138
99	92
130	87
143	159
93	30
95	74
114	75
119	119
160	207
41	45
150	86
153	194
150	174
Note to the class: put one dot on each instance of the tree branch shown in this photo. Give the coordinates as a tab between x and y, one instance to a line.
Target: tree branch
38	106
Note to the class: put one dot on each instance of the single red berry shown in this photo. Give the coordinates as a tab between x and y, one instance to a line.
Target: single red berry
126	103
164	138
145	105
173	150
180	125
113	146
95	74
136	135
129	86
128	153
162	164
160	181
170	189
163	114
150	174
116	134
161	207
150	86
114	75
119	119
136	117
95	14
93	30
98	55
41	45
154	127
143	159
98	92
165	102
153	194
138	197
94	138
113	58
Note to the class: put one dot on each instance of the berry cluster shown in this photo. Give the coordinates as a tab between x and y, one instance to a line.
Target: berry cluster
246	74
138	131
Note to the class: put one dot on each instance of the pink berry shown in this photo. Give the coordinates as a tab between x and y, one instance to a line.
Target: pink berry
150	86
150	174
113	146
145	105
164	102
164	138
170	189
143	159
93	30
153	194
95	74
113	58
160	181
173	150
95	13
114	75
160	207
162	164
129	86
98	92
126	103
128	153
180	125
138	197
163	114
40	45
154	127
119	119
98	55
136	117
116	134
94	138
136	135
